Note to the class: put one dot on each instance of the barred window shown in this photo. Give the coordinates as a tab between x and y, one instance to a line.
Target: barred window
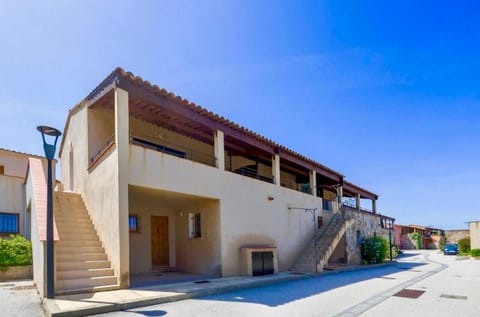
8	223
133	223
194	225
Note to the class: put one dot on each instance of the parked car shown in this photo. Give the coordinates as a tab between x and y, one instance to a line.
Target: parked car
450	248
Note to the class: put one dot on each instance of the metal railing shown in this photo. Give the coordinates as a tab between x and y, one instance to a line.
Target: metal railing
349	202
352	203
174	149
252	173
101	150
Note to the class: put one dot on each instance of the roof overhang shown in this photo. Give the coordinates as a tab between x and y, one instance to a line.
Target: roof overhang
352	189
150	102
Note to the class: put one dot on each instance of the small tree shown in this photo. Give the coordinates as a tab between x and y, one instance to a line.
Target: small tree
417	239
442	241
374	250
464	245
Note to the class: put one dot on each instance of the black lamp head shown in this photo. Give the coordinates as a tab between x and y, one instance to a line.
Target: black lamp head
49	131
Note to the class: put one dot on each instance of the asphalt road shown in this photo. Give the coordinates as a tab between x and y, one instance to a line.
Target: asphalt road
445	287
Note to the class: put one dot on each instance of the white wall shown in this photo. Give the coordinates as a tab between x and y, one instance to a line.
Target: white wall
199	255
12	198
38	247
247	216
98	186
140	242
15	164
475	234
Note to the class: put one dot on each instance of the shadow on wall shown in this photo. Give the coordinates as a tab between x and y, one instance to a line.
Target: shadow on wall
284	293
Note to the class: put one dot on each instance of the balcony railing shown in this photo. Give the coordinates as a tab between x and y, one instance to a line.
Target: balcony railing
101	151
252	172
350	202
174	149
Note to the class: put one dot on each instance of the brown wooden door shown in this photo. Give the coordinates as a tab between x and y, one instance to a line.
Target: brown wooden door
159	226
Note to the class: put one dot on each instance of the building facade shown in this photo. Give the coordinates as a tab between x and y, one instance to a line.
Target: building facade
159	183
474	227
14	214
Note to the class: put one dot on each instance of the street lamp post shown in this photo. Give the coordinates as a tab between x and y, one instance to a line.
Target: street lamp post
390	227
50	153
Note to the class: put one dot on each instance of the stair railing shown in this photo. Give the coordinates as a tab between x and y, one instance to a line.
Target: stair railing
338	214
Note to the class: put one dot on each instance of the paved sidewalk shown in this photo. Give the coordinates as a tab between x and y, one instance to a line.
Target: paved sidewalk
103	302
20	299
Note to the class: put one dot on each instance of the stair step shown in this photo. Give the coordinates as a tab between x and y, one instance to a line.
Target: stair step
86	282
77	243
74	225
77	257
76	274
76	229
80	230
81	262
60	250
83	232
72	220
71	212
78	237
85	265
88	290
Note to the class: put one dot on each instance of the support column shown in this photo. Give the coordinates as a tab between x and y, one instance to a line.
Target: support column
374	206
276	169
122	138
340	194
219	150
357	201
313	183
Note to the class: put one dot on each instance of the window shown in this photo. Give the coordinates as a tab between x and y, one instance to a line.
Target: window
327	205
133	223
194	226
2	170
319	222
8	223
359	237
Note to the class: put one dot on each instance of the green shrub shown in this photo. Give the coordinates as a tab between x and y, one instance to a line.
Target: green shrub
374	250
15	251
395	250
464	245
417	239
475	252
442	242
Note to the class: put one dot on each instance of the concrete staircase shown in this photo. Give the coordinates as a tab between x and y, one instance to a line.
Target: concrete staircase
315	256
81	262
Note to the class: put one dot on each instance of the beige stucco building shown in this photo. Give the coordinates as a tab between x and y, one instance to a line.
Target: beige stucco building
151	181
474	227
14	216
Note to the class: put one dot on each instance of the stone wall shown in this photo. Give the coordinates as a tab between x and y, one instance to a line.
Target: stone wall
407	243
455	235
366	225
16	273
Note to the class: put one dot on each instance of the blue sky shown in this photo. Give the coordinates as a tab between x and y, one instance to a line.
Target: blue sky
386	93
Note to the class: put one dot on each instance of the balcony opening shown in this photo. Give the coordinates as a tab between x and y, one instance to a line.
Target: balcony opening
295	177
101	129
163	139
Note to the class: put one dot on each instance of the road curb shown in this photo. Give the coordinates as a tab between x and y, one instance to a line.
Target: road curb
53	311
